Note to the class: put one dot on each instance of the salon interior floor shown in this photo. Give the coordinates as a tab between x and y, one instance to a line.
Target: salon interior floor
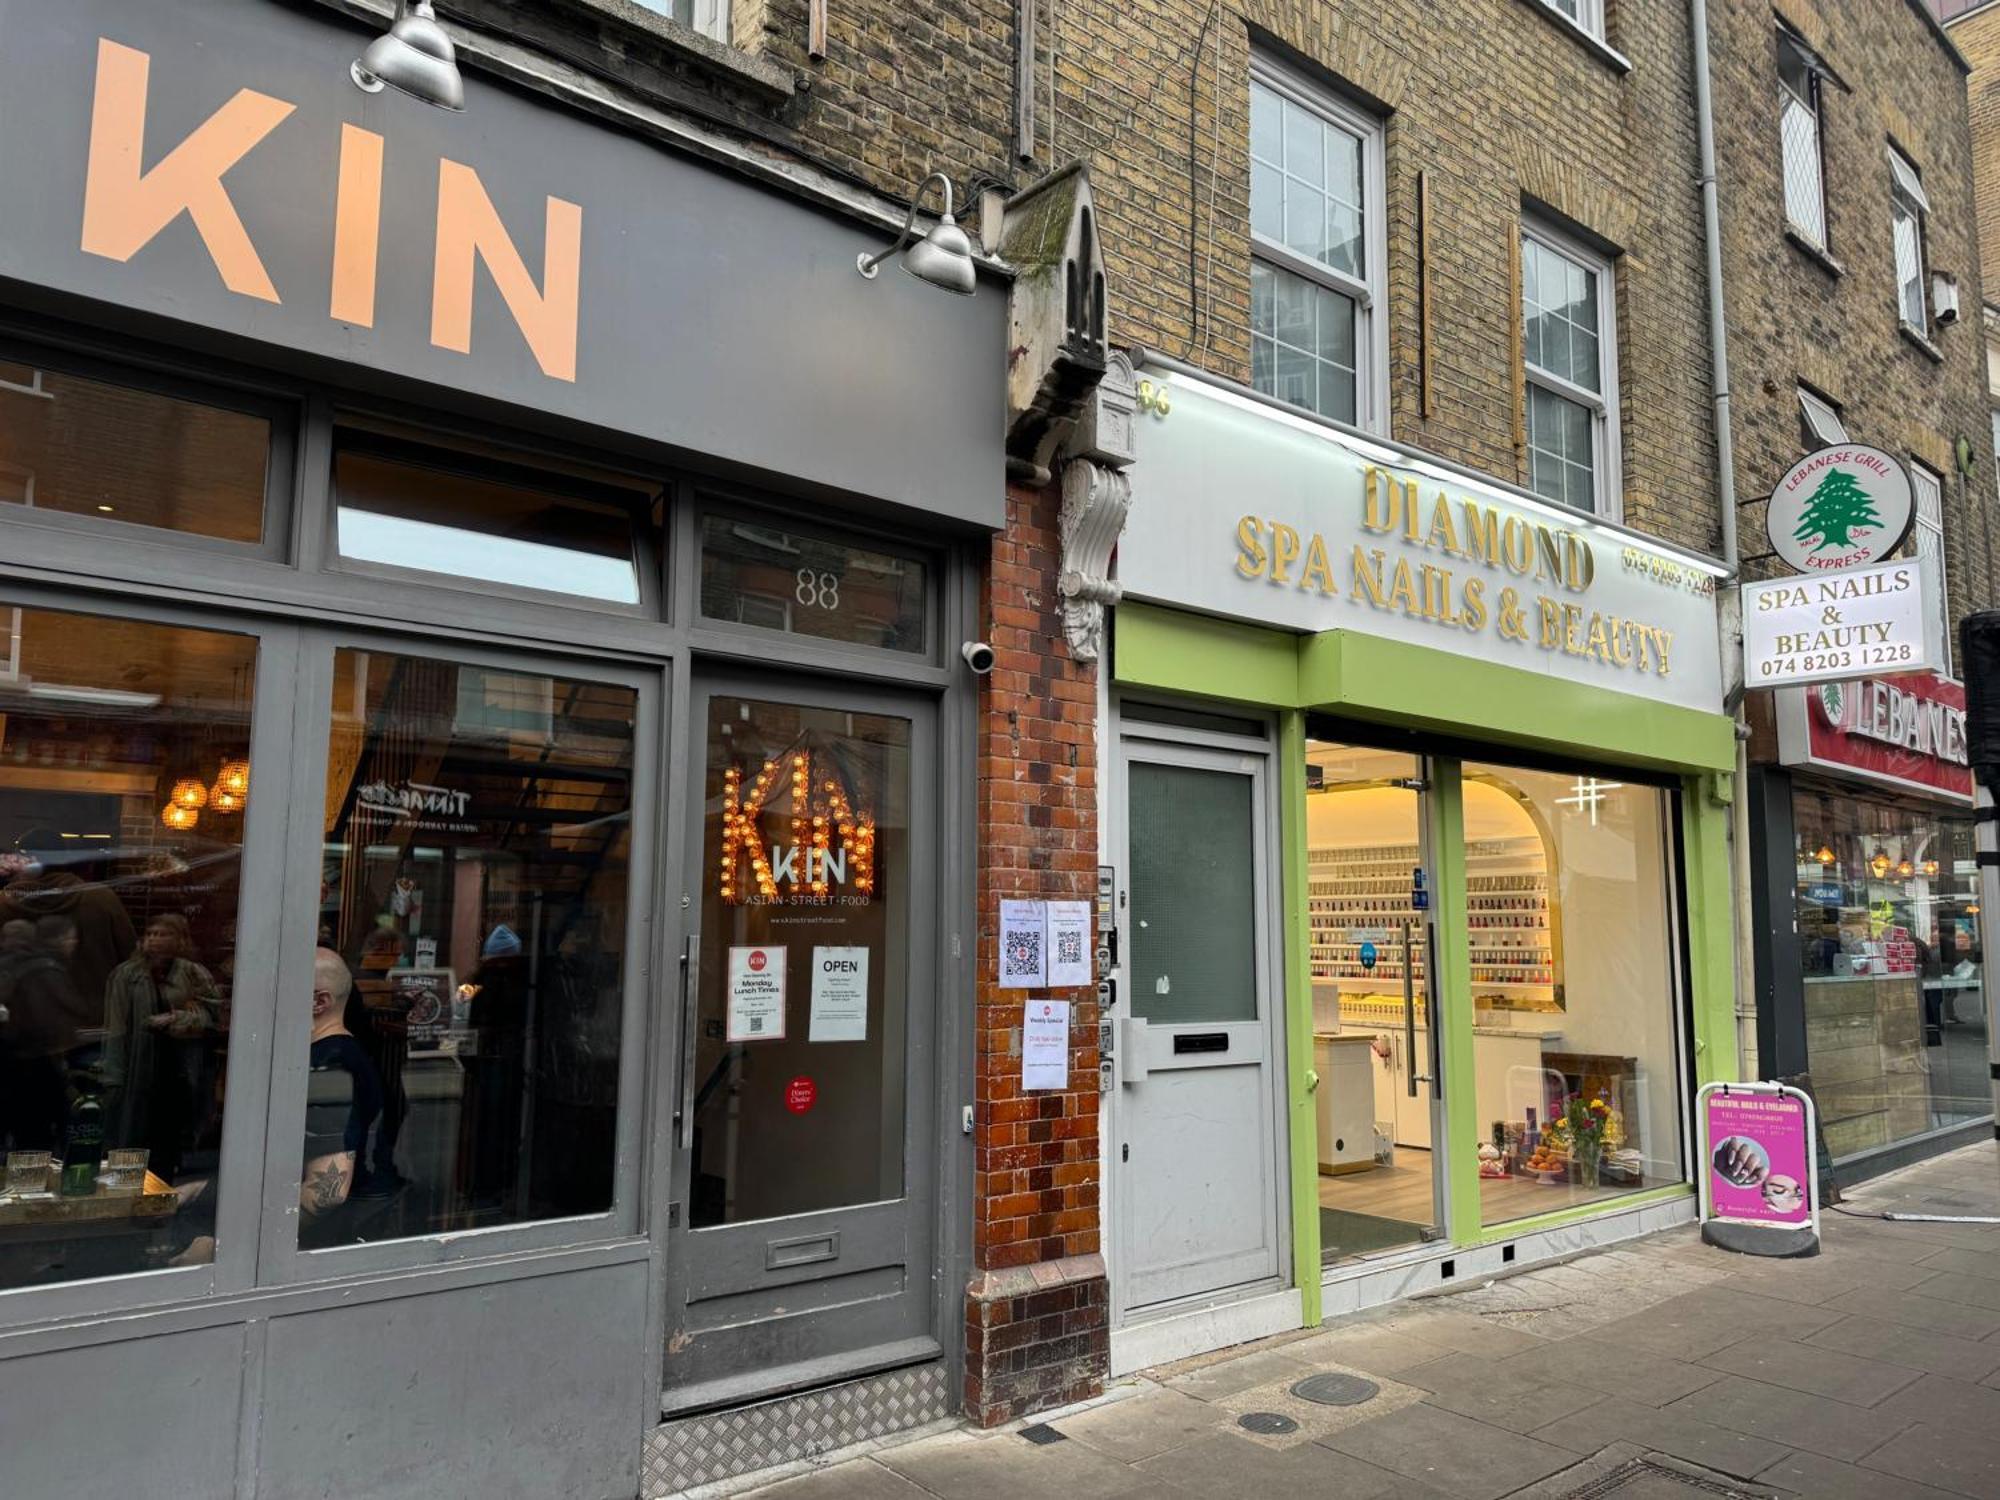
1401	1194
1661	1368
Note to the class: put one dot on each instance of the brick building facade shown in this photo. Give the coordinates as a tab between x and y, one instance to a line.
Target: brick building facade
1825	317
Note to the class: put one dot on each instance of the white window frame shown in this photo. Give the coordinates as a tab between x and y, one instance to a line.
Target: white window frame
1369	291
1929	526
1607	465
1814	105
1908	202
709	17
1589	15
1822	420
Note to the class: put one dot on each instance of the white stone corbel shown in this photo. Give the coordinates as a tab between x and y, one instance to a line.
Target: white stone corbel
1095	498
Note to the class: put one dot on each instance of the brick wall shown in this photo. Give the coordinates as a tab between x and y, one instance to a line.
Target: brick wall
1036	1310
1832	322
1977	35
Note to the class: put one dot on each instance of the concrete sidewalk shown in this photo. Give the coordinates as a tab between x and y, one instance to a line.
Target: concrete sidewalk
1661	1368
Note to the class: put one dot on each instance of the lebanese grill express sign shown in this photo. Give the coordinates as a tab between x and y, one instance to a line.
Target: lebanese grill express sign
1841	507
1242	511
1905	729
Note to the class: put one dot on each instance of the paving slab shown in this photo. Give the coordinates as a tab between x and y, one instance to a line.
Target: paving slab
1141	1426
1807	1474
1629	1472
1940	1402
1212	1382
1966	1262
1914	1310
1704	1321
1965	1463
858	1479
1229	1464
1817	1371
1666	1430
1376	1350
1649	1379
1966	1290
1894	1343
1435	1321
1796	1419
1005	1466
1451	1453
1498	1392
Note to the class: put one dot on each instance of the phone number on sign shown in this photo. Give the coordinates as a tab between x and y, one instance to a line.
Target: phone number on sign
1810	662
1666	570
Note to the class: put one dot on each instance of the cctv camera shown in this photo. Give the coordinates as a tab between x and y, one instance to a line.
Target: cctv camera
978	656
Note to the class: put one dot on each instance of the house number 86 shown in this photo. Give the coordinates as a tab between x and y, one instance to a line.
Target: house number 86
817	590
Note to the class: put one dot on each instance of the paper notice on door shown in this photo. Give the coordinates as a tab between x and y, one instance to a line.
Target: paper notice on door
839	995
1024	954
756	995
1045	1044
1069	944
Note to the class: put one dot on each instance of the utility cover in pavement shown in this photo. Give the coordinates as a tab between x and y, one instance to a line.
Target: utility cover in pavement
1336	1389
1042	1433
1268	1423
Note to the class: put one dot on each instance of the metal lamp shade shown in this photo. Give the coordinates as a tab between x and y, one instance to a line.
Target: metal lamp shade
943	258
415	57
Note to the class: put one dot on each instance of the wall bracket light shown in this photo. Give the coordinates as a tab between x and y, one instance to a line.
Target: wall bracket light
414	57
943	257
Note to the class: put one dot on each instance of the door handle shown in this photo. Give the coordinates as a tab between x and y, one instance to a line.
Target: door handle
1409	1017
683	1100
1431	1007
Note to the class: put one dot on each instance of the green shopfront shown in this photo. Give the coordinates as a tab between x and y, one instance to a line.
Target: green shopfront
1415	829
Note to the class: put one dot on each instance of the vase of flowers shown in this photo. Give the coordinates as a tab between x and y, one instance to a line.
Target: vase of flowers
1585	1122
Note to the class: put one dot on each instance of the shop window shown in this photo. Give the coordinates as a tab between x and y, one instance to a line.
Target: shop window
800	1047
1316	337
769	575
1571	937
1799	128
469	989
124	789
489	527
71	446
1569	348
1890	940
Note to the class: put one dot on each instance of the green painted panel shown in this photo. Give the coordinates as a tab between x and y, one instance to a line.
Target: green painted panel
1453	958
1301	1110
1711	933
1169	648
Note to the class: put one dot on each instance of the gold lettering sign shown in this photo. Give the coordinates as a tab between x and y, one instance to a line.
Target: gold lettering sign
1545	605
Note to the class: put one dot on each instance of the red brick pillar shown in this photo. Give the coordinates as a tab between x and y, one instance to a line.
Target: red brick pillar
1037	1310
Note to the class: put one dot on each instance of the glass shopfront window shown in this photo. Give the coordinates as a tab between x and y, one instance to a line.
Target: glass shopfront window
124	790
1575	1036
468	992
1887	904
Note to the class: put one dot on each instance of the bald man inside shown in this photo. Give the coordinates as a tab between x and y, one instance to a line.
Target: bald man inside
343	1099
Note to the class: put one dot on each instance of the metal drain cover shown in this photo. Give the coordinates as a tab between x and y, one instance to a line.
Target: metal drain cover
1268	1423
1336	1389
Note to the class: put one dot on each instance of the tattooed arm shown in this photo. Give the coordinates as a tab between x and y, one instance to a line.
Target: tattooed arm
327	1182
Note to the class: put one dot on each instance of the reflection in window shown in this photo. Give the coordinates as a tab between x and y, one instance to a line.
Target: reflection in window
124	788
1889	935
787	580
469	993
439	521
800	1054
1575	1045
87	448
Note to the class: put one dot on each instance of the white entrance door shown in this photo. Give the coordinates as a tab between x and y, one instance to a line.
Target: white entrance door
1197	1192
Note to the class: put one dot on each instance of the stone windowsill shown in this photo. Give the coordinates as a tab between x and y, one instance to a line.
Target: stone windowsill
1921	339
1596	46
739	66
1815	253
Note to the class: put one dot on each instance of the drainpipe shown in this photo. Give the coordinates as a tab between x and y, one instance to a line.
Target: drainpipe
1741	926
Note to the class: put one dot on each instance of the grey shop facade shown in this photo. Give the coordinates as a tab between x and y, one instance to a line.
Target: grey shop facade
486	783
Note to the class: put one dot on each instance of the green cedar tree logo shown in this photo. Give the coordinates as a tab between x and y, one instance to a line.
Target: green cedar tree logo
1835	509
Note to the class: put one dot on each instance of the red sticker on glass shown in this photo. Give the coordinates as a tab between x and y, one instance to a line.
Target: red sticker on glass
758	960
800	1095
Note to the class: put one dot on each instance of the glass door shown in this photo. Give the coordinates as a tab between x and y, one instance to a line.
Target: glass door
1374	989
802	1134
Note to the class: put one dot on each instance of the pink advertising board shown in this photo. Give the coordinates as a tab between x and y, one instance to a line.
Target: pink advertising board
1759	1165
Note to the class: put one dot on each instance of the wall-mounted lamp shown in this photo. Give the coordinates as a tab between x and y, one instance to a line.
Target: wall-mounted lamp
414	57
942	257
